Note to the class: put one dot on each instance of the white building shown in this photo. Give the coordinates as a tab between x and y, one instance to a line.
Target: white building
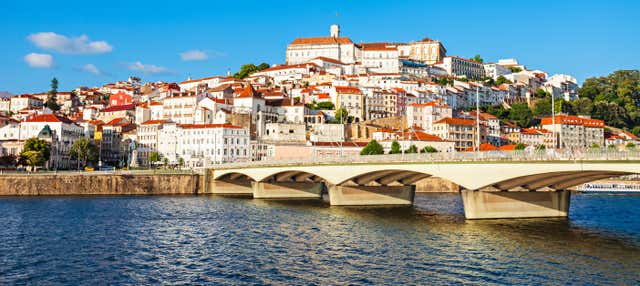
380	57
459	67
426	114
200	145
302	50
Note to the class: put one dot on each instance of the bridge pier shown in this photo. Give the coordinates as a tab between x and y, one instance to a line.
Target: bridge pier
371	195
480	204
287	190
239	188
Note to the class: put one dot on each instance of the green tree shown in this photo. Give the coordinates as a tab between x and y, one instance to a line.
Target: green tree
8	160
581	106
412	149
342	116
515	69
498	111
83	150
429	149
36	152
521	114
477	59
52	98
541	93
165	162
248	69
501	80
33	158
372	148
180	162
395	147
325	105
630	145
519	146
541	147
153	158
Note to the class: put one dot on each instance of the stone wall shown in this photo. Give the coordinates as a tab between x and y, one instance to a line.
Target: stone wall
86	184
435	184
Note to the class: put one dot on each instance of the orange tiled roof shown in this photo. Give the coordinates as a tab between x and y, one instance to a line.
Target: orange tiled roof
348	89
456	121
322	41
197	126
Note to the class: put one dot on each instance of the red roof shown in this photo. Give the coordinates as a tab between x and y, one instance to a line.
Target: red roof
456	121
508	147
197	126
341	144
348	89
378	47
325	59
572	120
421	136
284	67
119	108
247	91
48	118
483	147
154	122
322	41
431	103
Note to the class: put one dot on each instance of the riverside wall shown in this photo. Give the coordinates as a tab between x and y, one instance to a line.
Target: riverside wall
99	184
436	185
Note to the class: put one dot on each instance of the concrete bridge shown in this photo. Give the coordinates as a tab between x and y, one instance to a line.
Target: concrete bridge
488	189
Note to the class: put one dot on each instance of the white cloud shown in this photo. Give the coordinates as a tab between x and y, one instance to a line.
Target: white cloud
91	68
194	55
147	68
67	45
39	60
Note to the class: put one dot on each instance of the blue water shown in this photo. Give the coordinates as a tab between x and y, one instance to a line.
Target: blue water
214	240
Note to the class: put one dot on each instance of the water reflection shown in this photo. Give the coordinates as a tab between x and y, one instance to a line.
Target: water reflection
217	240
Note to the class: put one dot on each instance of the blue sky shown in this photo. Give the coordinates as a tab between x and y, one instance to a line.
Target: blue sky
146	38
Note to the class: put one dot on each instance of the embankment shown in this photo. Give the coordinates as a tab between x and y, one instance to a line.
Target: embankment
99	184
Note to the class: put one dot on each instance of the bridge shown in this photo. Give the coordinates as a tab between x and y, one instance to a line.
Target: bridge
489	188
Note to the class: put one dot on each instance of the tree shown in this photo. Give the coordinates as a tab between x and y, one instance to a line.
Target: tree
521	114
33	158
52	99
541	147
515	69
594	146
372	148
501	80
180	162
248	69
325	105
154	157
83	150
395	147
36	152
429	149
519	146
541	93
165	162
630	145
412	149
342	116
582	106
477	59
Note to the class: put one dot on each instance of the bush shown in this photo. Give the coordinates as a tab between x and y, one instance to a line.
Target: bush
372	148
429	149
412	149
395	147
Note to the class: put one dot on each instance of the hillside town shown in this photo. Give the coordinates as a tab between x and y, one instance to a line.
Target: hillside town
330	98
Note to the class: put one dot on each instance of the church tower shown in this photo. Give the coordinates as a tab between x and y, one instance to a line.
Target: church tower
335	31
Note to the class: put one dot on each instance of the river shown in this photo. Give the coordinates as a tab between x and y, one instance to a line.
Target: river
216	240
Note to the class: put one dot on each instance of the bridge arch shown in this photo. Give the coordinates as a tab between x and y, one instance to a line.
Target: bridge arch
553	180
386	177
233	177
294	176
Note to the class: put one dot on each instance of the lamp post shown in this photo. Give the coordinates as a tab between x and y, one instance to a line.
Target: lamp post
477	119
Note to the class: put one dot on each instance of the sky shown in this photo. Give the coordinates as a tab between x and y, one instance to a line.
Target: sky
83	43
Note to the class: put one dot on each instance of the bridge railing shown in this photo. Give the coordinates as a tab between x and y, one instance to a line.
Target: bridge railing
488	156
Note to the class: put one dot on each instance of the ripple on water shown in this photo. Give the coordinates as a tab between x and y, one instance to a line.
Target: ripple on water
211	240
